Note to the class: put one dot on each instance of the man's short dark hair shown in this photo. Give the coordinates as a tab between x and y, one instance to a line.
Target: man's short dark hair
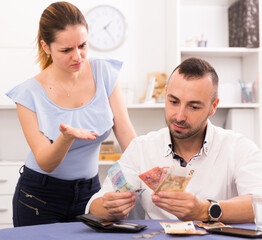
198	68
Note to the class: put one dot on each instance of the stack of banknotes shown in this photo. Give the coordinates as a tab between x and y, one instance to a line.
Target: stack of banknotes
158	179
167	178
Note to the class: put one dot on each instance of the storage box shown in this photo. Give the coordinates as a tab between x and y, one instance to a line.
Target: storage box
243	18
110	157
107	147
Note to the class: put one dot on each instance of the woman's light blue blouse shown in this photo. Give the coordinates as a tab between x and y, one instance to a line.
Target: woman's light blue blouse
81	160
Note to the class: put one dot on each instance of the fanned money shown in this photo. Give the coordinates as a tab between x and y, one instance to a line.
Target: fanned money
167	179
119	182
153	177
181	228
176	179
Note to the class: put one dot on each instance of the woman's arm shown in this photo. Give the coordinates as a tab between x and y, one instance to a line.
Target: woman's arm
123	128
48	155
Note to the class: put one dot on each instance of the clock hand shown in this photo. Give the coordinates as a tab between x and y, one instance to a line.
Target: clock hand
109	34
107	25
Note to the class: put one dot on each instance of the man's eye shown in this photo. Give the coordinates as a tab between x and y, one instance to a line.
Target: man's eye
195	107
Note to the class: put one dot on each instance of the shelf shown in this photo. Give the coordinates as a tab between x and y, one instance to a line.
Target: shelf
130	106
208	2
162	106
239	105
6	106
20	162
223	52
11	162
145	105
106	163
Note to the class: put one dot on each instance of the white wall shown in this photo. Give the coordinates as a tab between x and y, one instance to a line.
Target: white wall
142	52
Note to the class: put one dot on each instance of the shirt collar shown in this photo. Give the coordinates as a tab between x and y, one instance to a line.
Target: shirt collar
167	143
208	138
206	144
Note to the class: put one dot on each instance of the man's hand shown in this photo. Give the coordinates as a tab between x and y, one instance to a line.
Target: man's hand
185	206
72	133
119	204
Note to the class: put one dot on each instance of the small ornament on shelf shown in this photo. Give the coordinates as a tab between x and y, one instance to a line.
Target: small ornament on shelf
155	92
248	91
202	42
243	20
107	152
191	42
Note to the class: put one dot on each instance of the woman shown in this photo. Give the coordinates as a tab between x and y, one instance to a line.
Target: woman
65	111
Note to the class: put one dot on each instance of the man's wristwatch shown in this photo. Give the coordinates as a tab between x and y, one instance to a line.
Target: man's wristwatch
214	211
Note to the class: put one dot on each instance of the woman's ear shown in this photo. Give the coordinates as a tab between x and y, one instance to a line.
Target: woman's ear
45	47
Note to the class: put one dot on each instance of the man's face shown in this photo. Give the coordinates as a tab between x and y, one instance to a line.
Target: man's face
188	105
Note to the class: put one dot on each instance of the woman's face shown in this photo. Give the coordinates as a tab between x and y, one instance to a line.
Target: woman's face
69	50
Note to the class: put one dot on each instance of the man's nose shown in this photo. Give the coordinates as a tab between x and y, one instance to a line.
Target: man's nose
181	114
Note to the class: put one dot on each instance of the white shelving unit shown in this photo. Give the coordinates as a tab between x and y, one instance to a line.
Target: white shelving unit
219	51
188	20
9	173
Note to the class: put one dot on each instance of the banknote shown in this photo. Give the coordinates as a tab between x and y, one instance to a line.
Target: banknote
153	177
176	179
117	177
210	225
181	228
119	182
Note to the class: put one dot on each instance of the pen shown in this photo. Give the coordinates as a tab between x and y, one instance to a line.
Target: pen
243	91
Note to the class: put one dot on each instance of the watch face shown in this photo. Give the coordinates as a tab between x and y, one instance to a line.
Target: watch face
215	211
106	27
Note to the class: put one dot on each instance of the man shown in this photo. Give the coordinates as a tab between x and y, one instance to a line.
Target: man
228	166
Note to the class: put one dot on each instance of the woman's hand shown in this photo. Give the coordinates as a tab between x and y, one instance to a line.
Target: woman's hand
72	133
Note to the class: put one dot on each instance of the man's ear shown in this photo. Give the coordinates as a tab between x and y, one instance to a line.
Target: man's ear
45	47
214	107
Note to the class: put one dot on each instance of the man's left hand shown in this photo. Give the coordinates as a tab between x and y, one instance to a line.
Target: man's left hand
184	205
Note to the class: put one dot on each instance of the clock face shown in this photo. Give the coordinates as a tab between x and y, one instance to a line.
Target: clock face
106	27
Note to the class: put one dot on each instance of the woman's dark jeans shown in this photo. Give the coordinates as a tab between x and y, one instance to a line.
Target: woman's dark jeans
41	199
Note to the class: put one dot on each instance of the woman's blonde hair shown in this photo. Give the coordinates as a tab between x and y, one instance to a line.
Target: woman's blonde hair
56	17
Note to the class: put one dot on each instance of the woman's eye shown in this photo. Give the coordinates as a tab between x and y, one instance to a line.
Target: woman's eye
82	45
65	50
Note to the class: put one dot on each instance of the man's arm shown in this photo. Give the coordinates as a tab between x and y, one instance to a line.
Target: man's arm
113	205
237	210
185	206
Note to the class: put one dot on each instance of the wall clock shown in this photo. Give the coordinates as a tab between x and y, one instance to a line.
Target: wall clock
106	27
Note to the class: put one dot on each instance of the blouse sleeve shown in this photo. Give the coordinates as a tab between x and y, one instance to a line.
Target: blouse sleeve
111	74
24	94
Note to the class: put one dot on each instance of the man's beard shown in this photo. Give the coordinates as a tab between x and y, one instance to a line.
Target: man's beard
180	134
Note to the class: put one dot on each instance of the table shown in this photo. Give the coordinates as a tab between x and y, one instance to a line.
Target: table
80	231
